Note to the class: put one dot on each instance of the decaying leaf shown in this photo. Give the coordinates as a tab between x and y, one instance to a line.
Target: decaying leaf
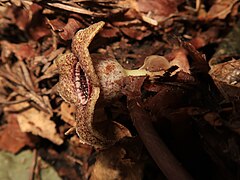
220	9
136	32
170	97
71	27
159	10
35	121
21	51
12	139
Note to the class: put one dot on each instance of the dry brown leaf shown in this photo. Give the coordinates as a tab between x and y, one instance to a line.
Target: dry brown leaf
19	16
109	31
70	29
213	118
56	24
39	123
204	38
12	139
179	58
72	8
16	2
36	122
158	10
136	32
21	51
221	9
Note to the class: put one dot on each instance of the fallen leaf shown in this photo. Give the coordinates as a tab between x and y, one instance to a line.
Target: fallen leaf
179	58
36	122
21	51
19	16
220	9
204	38
12	139
136	32
198	63
56	24
70	29
110	31
39	123
159	9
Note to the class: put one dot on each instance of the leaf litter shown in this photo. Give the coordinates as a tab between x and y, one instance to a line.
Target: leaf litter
179	99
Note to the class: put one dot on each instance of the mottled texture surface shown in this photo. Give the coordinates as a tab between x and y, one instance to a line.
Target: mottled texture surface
99	132
110	74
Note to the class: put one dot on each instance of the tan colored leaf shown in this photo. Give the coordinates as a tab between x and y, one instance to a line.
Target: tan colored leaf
180	59
221	9
36	122
39	123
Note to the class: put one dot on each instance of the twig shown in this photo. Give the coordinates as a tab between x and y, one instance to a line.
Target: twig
73	9
155	146
14	102
34	165
73	159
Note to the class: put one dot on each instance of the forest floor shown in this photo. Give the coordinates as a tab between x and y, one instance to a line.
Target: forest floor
175	116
